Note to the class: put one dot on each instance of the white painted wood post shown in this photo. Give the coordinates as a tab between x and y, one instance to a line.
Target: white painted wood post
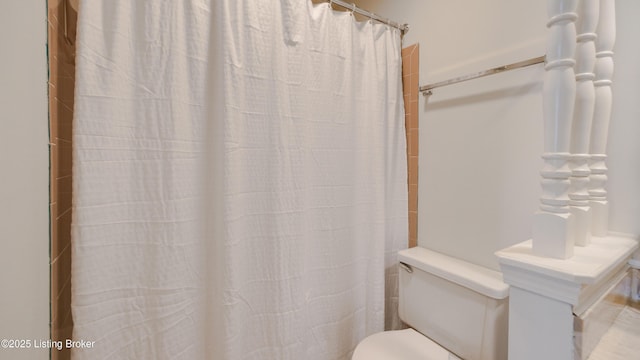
588	12
552	225
602	114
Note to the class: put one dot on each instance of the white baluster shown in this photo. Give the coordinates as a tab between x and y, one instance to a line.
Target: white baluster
552	225
602	114
588	12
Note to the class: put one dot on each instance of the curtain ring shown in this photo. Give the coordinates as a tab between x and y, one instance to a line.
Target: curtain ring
353	8
330	2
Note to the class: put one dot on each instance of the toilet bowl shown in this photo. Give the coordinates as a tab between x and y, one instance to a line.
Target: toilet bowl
456	310
405	344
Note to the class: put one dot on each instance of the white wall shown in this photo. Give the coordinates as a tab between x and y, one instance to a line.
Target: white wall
481	141
24	176
624	134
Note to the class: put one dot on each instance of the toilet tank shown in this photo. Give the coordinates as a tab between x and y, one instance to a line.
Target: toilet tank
461	306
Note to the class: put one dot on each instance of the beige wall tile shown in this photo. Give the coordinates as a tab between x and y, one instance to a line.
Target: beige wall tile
61	95
410	78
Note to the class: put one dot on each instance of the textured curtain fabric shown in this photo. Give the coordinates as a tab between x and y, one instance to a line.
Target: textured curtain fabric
239	180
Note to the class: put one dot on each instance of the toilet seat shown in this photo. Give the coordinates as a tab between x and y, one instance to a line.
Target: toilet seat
405	344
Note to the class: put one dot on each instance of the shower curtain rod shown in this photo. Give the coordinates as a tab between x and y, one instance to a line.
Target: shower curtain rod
426	89
402	27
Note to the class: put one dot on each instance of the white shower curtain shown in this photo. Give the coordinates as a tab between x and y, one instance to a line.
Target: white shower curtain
239	180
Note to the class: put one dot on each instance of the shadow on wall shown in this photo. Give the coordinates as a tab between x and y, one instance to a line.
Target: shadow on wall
483	96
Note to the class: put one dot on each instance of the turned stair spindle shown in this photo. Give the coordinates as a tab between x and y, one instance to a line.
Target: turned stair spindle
588	13
553	224
602	113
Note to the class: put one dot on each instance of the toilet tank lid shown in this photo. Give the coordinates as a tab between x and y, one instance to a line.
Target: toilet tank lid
477	278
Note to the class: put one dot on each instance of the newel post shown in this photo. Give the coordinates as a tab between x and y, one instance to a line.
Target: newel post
602	114
553	223
588	13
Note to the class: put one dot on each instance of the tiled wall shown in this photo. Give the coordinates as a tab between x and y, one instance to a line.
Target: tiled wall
61	92
410	66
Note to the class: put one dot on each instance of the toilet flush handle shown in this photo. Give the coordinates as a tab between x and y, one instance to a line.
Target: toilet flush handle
406	267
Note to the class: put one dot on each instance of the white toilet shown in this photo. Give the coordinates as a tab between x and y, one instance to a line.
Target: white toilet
456	310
